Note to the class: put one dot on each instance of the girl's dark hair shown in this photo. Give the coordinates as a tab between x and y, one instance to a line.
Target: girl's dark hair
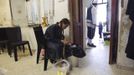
57	22
65	21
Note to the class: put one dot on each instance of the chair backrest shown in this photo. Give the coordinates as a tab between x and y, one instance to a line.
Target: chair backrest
3	35
39	34
14	34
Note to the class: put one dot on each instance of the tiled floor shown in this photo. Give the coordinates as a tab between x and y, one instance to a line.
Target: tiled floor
95	63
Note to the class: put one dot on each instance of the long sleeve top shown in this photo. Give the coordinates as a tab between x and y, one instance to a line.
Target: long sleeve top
91	14
54	33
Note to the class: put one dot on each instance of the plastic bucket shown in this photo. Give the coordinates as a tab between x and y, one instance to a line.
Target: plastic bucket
62	67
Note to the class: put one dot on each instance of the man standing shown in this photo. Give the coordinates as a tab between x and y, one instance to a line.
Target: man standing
91	24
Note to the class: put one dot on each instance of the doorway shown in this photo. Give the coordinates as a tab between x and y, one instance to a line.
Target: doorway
104	10
102	44
99	15
79	27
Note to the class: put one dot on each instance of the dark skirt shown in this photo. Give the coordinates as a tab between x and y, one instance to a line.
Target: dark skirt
90	32
54	50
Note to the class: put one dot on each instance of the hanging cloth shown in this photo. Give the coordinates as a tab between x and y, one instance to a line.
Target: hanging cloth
130	9
130	44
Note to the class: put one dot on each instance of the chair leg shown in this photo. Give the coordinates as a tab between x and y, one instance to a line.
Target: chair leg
19	48
23	47
30	49
38	55
15	54
2	49
9	51
45	61
45	64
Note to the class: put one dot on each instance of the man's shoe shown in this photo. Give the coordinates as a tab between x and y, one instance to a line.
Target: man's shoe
91	45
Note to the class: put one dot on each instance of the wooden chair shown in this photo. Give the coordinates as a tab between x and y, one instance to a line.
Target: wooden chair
15	40
41	44
40	40
3	39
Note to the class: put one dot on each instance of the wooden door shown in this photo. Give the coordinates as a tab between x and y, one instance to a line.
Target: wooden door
76	15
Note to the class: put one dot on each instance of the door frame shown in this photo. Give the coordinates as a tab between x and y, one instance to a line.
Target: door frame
114	32
76	17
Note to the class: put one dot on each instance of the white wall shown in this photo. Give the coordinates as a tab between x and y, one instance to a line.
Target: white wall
28	34
61	11
49	10
5	16
33	11
20	19
19	12
124	27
